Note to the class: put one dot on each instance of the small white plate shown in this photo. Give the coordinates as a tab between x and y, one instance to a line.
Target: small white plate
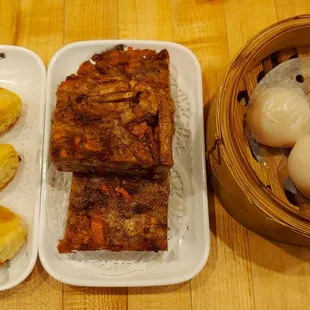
188	206
23	72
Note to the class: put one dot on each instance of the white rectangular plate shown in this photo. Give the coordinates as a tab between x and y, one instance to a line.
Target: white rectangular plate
23	72
188	207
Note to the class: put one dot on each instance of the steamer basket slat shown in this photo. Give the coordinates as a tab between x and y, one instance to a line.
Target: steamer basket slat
253	190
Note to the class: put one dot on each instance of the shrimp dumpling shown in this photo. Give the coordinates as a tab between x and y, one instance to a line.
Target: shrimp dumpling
299	165
278	117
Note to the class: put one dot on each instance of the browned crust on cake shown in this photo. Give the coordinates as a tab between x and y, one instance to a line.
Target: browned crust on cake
116	115
116	214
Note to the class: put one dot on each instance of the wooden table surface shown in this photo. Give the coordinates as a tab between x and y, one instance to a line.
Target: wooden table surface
244	271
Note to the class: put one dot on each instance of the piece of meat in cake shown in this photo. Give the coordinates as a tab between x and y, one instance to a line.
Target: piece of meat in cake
116	115
116	214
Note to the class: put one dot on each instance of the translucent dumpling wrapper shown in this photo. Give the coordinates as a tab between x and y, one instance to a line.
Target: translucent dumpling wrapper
299	165
279	109
9	161
12	234
10	108
278	117
294	75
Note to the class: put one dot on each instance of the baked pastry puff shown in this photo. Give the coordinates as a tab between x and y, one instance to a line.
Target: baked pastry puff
10	108
12	234
9	161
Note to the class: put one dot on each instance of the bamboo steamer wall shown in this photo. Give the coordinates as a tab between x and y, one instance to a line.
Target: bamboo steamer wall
251	192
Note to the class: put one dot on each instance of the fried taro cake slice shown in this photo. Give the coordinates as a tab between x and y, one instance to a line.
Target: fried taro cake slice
116	115
116	214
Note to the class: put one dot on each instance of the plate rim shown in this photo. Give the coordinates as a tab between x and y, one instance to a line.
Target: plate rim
206	226
36	214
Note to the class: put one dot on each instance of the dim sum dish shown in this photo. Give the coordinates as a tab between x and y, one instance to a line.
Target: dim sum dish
117	214
124	192
116	115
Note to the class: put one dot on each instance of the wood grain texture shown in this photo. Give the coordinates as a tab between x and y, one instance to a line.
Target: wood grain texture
9	11
172	297
200	26
38	291
94	298
244	19
280	274
244	271
90	20
145	20
40	26
287	8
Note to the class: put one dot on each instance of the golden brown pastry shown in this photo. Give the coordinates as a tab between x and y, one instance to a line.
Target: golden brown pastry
9	161
12	234
10	108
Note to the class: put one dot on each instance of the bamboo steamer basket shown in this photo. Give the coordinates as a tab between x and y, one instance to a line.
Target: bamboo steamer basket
251	192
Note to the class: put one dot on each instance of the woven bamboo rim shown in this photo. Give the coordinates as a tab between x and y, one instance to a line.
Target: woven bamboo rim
250	192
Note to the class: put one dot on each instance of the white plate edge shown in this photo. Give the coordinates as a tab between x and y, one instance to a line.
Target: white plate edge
37	209
199	105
